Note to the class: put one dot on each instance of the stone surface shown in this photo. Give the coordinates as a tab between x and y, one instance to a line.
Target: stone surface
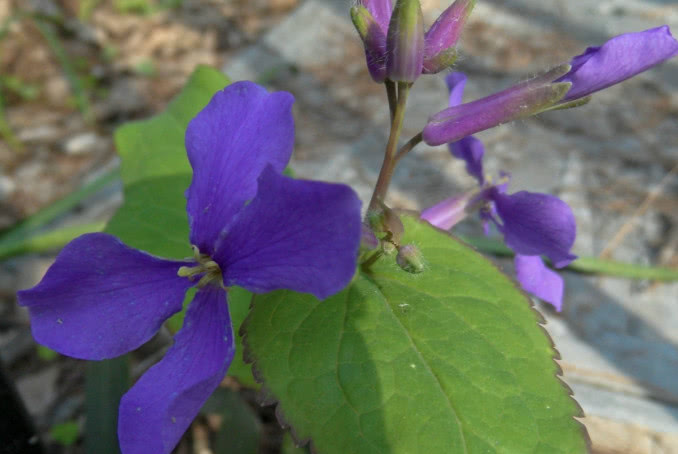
38	390
617	337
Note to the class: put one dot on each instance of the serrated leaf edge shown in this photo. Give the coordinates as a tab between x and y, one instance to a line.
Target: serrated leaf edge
266	397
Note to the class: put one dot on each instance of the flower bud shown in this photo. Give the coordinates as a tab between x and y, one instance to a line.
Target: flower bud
522	100
405	42
409	258
440	39
374	40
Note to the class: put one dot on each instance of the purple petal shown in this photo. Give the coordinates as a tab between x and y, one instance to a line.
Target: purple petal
537	224
381	12
537	279
448	213
241	131
470	150
297	235
618	59
158	409
405	42
527	98
445	31
456	82
101	299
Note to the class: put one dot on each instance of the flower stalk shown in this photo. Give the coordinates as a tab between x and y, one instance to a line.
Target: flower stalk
388	166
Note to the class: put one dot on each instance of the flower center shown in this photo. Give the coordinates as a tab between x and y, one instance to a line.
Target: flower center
208	268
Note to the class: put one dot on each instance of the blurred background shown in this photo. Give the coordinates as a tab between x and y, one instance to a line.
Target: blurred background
71	71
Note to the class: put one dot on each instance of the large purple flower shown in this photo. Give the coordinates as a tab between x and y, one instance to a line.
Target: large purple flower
250	226
533	224
597	68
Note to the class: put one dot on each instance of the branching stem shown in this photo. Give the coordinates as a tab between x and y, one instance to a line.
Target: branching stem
388	165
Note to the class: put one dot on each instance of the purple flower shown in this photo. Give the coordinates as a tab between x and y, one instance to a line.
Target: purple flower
533	224
395	44
597	68
250	226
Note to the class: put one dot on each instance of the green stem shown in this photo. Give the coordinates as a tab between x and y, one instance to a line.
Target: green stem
392	96
388	165
587	265
413	142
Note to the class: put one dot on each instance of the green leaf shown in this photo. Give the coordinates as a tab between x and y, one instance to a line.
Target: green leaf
238	305
290	447
153	217
155	173
450	360
65	433
47	354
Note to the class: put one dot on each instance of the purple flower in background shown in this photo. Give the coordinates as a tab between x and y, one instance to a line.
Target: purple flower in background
395	44
597	68
249	226
533	224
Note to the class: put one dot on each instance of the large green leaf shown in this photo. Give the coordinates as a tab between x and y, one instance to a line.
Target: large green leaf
451	360
155	172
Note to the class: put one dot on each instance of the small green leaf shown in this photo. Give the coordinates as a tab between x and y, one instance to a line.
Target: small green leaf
65	433
450	360
47	354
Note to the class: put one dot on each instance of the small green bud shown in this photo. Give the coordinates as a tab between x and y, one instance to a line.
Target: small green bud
409	258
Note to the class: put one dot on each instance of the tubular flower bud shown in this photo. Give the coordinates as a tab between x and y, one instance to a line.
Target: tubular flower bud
374	40
441	38
521	100
405	42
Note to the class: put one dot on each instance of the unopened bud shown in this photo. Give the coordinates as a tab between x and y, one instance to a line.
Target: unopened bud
440	39
374	40
409	258
405	42
522	100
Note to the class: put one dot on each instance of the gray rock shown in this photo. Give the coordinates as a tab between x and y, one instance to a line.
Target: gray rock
82	144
